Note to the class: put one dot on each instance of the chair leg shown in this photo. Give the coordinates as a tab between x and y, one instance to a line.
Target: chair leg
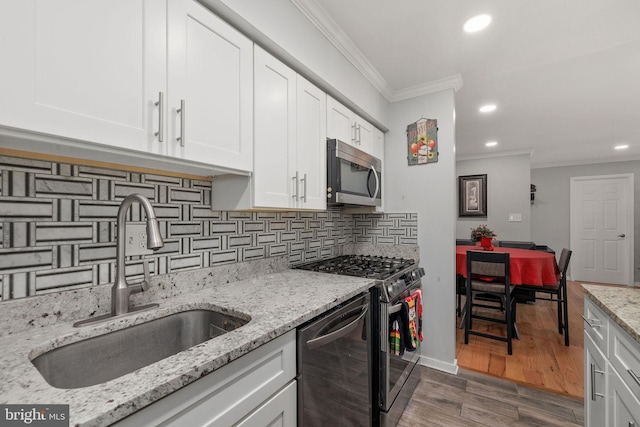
560	299
467	320
566	315
508	313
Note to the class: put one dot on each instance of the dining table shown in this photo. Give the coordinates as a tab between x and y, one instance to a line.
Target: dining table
526	267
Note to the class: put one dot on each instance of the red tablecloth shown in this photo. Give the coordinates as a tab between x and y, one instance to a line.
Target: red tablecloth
527	267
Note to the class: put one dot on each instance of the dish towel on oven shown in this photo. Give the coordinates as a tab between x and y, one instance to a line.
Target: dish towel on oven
418	295
412	312
394	338
403	334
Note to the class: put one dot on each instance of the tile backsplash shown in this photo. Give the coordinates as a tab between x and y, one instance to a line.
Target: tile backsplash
58	221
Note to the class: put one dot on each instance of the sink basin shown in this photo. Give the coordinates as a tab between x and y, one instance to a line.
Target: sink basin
105	357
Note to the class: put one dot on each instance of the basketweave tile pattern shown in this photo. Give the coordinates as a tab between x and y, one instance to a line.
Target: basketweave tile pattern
58	227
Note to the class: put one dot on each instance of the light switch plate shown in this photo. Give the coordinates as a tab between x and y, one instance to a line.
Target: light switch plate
136	239
515	217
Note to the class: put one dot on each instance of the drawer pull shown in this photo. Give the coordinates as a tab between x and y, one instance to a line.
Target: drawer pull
594	371
634	376
594	323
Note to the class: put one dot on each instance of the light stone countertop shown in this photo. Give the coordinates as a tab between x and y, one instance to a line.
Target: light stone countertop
622	304
276	301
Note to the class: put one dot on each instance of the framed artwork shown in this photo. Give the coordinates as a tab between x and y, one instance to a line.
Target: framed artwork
472	191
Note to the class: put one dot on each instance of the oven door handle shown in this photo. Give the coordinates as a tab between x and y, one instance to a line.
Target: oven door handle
339	333
395	308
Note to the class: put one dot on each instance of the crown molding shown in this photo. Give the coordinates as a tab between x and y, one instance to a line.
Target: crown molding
545	165
452	82
336	36
328	27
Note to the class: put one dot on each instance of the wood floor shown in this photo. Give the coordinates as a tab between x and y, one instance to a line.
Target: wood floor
540	358
471	399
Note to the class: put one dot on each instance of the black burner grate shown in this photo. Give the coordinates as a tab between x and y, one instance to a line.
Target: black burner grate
374	267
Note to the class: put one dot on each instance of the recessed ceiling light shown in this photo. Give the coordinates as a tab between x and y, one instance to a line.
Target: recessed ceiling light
491	144
487	108
477	23
621	147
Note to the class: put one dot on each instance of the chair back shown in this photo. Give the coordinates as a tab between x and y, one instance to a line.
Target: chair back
488	264
464	242
517	244
563	263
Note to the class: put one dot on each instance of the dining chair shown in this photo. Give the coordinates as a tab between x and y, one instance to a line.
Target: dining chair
464	242
559	290
488	273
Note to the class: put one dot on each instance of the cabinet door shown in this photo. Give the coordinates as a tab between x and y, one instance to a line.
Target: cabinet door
211	74
311	145
624	410
279	411
364	135
340	122
274	181
84	70
595	368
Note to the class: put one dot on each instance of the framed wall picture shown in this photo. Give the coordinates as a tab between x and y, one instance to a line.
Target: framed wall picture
472	191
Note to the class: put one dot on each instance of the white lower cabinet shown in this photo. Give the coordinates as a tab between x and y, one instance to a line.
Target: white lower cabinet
612	369
595	368
258	389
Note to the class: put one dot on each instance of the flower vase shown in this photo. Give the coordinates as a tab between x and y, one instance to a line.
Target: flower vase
485	243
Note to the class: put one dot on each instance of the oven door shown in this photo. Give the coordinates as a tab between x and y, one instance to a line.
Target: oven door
395	369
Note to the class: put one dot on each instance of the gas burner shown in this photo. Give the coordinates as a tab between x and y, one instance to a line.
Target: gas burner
374	267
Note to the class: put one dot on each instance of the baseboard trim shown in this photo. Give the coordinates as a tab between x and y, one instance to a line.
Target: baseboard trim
450	368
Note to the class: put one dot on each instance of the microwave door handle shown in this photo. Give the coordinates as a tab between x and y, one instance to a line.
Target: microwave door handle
375	174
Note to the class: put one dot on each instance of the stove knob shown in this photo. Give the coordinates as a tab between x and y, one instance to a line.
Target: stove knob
390	289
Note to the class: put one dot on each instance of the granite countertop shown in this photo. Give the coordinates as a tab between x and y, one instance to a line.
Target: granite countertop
277	302
622	304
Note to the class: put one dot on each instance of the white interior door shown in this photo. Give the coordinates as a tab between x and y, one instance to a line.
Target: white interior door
602	229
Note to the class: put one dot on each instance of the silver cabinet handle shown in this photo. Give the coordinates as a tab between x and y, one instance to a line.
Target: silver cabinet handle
594	371
160	105
295	186
594	323
183	125
359	135
634	376
622	235
354	140
304	188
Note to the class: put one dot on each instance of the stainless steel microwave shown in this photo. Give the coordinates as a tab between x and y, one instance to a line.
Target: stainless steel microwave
353	176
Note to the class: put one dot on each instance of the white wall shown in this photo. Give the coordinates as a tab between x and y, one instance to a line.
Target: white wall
550	212
282	29
508	191
429	190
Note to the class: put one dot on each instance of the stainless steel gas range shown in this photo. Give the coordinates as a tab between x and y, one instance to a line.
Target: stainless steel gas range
393	345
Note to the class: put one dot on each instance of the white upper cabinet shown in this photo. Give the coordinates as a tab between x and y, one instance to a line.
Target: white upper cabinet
210	88
275	184
312	145
116	73
84	70
289	155
346	126
290	138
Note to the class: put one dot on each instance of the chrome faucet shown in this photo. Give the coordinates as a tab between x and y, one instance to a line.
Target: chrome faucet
121	290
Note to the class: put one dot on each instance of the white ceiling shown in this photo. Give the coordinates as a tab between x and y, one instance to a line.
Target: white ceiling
565	74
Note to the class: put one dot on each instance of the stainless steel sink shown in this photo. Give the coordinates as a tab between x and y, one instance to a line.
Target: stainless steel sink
105	357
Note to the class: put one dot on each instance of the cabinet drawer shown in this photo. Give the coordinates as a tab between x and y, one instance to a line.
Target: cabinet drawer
596	324
624	356
228	394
